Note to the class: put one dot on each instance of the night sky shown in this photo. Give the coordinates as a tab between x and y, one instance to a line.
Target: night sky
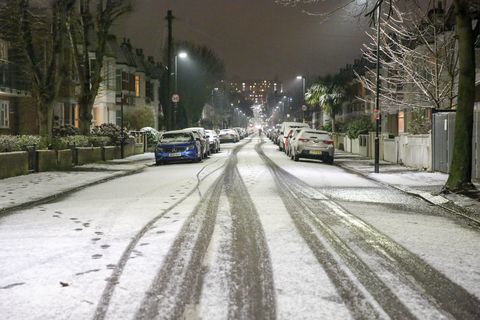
257	39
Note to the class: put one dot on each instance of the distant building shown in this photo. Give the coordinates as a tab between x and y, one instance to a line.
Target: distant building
256	91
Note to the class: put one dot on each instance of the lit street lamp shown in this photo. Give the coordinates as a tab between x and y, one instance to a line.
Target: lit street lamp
175	96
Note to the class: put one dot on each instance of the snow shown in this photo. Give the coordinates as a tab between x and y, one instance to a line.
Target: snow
79	240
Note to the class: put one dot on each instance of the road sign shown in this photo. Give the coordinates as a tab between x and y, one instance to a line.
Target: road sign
175	98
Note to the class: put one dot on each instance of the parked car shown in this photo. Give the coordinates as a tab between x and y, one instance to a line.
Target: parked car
178	146
313	144
228	135
203	139
241	132
285	129
291	136
213	141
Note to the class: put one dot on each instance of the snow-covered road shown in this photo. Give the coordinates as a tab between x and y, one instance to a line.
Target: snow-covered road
246	234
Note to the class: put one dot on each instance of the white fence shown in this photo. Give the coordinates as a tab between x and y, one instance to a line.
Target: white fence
410	150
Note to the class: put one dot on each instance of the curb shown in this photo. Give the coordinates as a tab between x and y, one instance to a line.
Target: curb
7	210
438	201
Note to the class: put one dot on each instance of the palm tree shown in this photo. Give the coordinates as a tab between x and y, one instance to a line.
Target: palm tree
328	95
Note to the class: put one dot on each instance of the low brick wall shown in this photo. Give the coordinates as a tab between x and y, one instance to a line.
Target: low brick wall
88	155
129	150
109	153
46	160
139	148
64	159
13	164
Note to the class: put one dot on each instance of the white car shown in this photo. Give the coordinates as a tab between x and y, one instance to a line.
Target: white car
285	129
228	135
213	141
312	144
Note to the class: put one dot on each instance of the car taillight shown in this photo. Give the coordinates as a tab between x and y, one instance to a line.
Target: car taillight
328	141
303	139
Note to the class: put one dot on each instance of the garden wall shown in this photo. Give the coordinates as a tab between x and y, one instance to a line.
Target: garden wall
13	164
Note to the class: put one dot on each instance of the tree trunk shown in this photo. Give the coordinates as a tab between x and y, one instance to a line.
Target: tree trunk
85	117
45	120
461	168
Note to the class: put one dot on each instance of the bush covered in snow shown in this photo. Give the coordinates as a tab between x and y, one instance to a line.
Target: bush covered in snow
9	143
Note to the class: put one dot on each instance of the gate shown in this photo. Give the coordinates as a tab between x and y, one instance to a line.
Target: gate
443	130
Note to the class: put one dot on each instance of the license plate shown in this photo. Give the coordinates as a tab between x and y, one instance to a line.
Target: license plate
315	152
175	154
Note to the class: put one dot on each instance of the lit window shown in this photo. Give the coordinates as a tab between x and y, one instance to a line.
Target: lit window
137	86
401	122
4	117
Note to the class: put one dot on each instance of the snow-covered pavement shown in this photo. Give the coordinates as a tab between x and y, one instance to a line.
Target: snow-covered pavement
246	234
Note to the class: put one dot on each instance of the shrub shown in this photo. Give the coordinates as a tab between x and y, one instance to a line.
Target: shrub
358	126
68	142
98	141
9	143
109	130
419	123
139	117
66	130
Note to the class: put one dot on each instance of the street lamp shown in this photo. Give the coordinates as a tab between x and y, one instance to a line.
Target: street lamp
299	77
175	97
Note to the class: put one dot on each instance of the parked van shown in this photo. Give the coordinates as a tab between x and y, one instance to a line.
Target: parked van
285	128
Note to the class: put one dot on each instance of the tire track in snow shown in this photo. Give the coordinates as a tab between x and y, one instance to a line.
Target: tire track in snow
450	299
179	281
252	291
113	280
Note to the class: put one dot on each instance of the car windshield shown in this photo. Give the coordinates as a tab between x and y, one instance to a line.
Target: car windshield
176	137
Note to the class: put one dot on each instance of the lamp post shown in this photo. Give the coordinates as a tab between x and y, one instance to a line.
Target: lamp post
299	77
175	96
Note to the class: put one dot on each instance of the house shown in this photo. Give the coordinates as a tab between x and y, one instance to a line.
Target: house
16	107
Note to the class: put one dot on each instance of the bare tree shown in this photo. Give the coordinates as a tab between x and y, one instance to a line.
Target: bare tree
88	26
37	34
467	30
419	61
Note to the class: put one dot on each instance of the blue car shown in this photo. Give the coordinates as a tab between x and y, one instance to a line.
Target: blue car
176	146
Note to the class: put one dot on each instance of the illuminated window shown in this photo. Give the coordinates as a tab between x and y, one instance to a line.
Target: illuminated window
4	117
137	86
401	122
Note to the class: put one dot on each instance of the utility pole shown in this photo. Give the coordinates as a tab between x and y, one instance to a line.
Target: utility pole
378	117
170	110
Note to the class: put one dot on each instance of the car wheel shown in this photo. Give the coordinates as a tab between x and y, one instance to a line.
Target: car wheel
328	159
296	157
158	163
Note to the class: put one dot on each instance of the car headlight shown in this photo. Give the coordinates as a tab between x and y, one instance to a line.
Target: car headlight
159	149
191	147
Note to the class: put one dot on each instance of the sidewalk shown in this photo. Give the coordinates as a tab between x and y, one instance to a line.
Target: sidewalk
426	185
22	191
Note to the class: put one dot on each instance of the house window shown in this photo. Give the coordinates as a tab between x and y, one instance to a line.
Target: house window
401	122
118	80
4	116
137	86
